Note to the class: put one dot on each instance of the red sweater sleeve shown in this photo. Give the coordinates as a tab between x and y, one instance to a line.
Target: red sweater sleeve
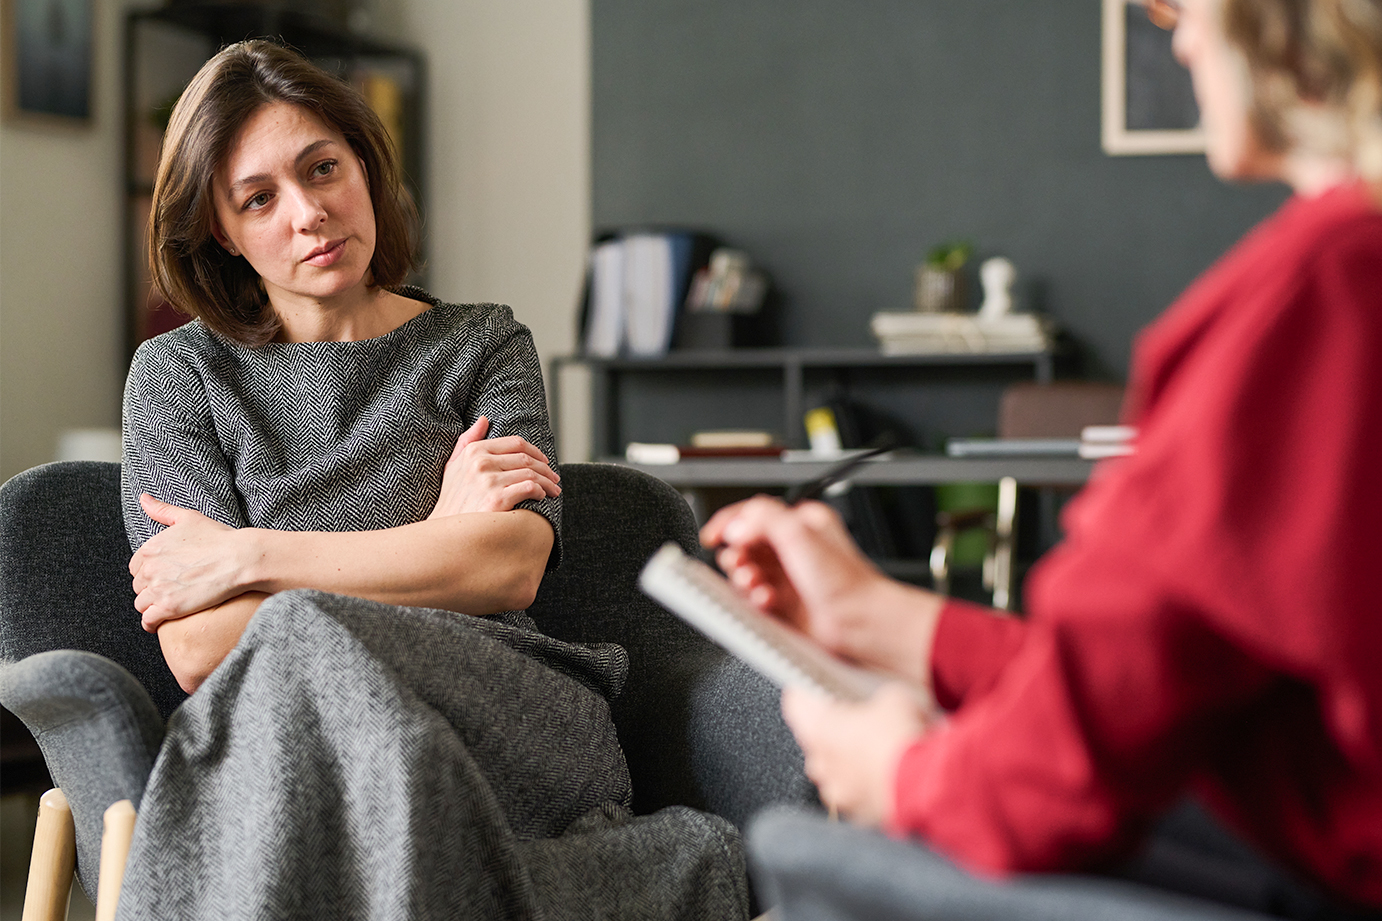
1079	743
973	644
1211	617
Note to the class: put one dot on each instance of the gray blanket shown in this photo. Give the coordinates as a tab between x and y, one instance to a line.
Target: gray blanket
353	760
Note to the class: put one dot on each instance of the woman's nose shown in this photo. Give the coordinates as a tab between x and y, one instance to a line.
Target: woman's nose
308	212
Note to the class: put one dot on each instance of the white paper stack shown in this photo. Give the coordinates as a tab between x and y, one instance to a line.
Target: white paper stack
649	293
635	289
960	333
604	332
1095	443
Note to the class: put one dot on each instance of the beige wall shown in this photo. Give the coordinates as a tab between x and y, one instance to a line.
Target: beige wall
61	352
509	162
509	127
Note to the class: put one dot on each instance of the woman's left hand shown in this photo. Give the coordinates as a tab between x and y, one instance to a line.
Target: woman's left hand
492	474
853	750
193	564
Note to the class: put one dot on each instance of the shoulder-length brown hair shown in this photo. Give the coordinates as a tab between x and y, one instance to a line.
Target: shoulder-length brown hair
190	269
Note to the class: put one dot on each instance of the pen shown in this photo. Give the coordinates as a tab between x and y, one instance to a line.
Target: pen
812	489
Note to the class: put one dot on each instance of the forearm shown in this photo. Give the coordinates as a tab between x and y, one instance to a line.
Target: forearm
892	626
971	647
194	645
475	563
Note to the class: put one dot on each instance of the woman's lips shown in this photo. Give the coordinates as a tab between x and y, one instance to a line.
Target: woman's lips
327	255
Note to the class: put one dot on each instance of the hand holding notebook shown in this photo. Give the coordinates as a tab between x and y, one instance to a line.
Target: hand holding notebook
700	596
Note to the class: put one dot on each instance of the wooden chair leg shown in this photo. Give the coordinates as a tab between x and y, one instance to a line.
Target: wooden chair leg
115	850
53	860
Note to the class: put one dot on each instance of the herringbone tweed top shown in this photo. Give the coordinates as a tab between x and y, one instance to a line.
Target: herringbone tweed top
326	436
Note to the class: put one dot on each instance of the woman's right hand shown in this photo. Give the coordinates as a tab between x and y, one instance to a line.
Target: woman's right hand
800	564
492	475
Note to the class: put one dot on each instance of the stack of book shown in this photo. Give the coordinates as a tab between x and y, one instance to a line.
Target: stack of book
729	284
1096	442
960	333
723	443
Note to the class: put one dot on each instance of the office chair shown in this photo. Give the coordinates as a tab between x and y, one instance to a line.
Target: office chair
1026	410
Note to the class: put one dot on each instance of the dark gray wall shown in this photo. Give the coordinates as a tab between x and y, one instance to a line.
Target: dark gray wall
838	140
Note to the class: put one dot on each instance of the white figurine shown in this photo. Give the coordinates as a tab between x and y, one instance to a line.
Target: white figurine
997	276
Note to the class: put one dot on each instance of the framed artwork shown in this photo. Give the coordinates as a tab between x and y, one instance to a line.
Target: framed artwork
47	59
1148	100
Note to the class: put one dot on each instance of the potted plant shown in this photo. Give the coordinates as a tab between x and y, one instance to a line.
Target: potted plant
940	284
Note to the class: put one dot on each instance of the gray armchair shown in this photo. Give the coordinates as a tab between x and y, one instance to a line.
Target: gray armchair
698	727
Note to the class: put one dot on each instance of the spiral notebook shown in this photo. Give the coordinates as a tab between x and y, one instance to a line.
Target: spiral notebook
701	597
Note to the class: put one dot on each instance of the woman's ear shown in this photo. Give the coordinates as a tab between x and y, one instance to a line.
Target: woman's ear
222	239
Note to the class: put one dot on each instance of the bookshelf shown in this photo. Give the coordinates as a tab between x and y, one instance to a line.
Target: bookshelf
797	372
165	47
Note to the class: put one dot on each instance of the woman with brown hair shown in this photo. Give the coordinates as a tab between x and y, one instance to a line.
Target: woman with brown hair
286	438
318	470
1209	624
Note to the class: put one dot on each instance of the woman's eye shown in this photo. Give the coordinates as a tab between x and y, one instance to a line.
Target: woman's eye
257	202
324	168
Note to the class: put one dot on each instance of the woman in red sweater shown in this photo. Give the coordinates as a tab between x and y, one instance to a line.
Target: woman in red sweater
1211	623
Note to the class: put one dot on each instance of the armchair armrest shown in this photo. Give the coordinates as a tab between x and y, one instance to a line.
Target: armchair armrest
99	732
815	870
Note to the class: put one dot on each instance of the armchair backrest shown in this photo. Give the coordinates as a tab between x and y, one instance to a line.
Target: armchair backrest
698	726
613	519
65	593
64	573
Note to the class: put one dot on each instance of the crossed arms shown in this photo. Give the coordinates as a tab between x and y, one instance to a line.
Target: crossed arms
198	582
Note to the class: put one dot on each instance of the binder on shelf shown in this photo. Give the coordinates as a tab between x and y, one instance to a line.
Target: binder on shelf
657	270
604	327
635	286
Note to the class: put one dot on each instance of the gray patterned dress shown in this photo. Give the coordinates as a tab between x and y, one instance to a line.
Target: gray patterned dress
326	436
351	759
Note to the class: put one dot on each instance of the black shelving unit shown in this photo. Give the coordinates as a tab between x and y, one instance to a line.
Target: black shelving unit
793	367
793	379
165	47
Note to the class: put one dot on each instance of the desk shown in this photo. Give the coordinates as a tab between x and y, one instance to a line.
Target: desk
902	469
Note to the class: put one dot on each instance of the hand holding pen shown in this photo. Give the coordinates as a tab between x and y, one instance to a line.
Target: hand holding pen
712	535
814	489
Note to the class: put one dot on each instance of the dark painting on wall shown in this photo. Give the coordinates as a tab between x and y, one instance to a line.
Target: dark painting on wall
48	58
1148	99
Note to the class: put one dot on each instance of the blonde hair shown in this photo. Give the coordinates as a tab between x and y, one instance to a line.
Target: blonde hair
1316	75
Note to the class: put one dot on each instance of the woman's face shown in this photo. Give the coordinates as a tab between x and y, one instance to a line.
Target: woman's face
1233	147
293	199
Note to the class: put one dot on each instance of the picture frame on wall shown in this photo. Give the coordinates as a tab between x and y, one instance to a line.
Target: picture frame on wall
1148	99
47	60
